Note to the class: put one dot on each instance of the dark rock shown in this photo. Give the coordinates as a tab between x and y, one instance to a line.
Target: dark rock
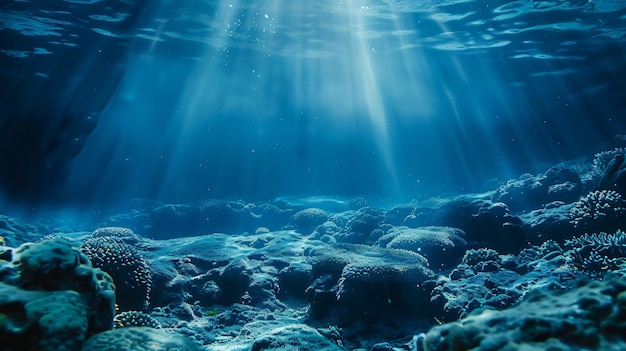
613	177
551	223
531	192
485	223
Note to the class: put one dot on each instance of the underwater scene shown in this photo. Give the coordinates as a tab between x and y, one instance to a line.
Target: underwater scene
371	175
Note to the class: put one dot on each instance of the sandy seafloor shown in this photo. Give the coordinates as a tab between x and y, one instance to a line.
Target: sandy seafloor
534	264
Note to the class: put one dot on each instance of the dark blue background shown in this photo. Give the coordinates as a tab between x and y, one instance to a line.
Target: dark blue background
346	108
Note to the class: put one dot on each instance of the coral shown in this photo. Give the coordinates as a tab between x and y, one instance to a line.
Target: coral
591	317
135	319
612	173
602	159
358	282
381	273
308	218
483	260
441	246
124	234
363	227
128	268
321	292
51	297
370	289
138	339
597	254
61	319
600	210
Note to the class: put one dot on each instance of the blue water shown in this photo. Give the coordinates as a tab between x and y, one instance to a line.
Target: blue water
106	101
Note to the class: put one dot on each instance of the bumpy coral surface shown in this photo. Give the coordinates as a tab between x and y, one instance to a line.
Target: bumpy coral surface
309	218
442	246
135	319
130	272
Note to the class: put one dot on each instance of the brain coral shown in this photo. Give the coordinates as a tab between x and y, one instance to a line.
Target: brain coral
309	218
128	268
442	246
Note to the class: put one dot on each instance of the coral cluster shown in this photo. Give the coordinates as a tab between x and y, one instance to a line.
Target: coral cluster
130	272
599	253
309	218
135	319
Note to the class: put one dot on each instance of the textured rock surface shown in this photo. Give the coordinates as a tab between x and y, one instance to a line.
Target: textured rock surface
51	298
138	339
592	317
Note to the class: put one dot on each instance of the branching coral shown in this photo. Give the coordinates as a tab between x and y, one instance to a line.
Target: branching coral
596	254
135	319
602	159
